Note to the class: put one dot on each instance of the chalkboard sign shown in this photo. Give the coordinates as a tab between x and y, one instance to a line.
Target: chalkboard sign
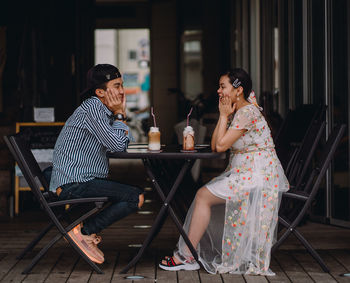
40	135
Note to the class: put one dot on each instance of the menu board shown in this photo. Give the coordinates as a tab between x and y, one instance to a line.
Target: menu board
40	135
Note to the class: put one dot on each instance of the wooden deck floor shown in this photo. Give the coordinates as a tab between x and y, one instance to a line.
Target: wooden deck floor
61	265
291	262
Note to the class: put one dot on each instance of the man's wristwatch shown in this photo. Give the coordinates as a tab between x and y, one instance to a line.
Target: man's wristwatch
119	116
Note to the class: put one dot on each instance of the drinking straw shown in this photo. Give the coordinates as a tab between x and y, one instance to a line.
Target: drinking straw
154	117
188	116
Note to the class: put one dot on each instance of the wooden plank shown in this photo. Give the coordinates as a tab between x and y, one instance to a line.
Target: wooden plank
122	260
147	267
227	278
64	266
335	266
291	267
312	267
280	274
255	279
6	264
107	267
342	256
41	271
15	267
188	276
81	272
206	277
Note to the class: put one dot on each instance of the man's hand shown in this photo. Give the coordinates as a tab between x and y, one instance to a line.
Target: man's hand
115	101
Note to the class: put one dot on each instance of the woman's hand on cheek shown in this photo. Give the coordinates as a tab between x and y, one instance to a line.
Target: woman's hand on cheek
225	106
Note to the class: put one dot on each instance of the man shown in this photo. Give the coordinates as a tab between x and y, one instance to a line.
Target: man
80	164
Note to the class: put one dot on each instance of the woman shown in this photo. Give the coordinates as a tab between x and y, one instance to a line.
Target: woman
232	221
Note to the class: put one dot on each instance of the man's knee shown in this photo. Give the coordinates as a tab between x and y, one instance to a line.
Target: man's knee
141	200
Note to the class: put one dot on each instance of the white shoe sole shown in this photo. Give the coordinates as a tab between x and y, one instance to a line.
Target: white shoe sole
185	266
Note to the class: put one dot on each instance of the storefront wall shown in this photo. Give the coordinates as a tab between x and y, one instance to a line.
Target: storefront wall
307	44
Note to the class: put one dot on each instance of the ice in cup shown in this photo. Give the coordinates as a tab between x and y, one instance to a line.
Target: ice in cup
154	139
188	138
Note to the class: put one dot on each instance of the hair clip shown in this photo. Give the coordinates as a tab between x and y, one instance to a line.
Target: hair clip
236	83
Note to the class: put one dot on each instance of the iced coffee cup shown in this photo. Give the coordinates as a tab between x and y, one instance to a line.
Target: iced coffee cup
188	138
154	139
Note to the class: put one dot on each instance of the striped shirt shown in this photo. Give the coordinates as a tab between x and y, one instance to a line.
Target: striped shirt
81	147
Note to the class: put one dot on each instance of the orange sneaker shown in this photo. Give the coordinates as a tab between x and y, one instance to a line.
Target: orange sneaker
97	240
87	243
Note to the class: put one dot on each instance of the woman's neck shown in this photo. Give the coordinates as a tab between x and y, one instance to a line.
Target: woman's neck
241	103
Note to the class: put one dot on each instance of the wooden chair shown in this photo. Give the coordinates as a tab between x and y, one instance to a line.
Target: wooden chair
49	202
304	196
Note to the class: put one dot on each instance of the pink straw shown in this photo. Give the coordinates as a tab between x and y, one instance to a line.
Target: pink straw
188	116
154	117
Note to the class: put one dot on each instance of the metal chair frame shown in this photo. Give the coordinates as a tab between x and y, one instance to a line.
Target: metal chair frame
49	202
306	194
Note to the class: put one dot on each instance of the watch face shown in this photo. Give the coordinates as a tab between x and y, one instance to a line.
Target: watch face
119	117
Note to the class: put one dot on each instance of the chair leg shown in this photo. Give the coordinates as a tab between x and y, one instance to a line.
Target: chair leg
280	240
42	252
33	243
311	250
80	252
285	235
300	237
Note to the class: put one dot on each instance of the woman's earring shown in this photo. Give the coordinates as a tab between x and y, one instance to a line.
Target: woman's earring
237	97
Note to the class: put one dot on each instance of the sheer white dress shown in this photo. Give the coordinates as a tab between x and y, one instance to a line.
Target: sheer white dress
241	232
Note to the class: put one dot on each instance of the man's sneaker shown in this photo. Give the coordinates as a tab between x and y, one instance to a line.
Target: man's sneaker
97	240
87	244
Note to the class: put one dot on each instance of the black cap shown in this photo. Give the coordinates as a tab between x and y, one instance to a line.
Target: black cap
98	75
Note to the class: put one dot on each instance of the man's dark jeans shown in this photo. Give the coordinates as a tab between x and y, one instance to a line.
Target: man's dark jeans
124	199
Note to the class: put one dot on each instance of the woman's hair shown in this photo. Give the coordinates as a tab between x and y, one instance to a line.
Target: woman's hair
239	77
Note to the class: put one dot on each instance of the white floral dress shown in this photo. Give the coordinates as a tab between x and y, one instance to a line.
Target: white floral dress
241	232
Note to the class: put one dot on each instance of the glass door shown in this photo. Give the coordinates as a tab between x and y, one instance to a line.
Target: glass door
339	102
129	50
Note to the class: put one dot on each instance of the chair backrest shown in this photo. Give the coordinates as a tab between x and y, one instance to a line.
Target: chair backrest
294	128
26	161
315	177
306	152
326	157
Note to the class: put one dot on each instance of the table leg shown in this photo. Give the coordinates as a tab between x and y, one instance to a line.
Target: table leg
166	200
162	213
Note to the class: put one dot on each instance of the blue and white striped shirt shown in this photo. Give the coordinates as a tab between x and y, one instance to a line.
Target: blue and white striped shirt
80	150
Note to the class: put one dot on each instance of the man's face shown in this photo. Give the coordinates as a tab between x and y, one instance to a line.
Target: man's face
116	84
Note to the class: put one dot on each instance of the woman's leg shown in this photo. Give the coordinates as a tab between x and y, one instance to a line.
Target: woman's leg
201	216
